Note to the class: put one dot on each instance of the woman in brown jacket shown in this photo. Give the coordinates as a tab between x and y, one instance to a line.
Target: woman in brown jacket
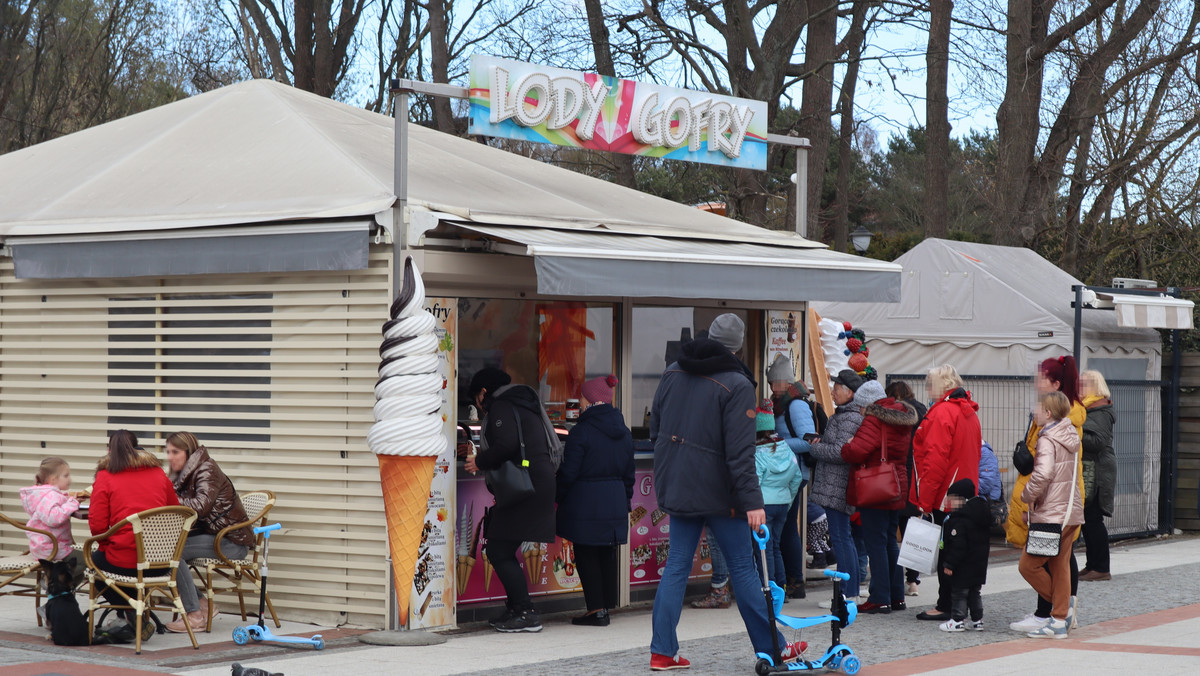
201	485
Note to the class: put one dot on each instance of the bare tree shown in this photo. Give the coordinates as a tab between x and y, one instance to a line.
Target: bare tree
937	120
602	48
312	45
845	111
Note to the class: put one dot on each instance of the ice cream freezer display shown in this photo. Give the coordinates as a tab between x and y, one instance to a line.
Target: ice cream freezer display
549	567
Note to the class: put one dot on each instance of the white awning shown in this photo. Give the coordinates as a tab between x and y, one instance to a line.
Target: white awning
571	263
1148	312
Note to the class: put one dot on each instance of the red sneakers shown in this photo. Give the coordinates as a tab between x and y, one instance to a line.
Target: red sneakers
664	663
793	651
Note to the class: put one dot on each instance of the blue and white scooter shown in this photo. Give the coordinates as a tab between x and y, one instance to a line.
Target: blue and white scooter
842	614
260	631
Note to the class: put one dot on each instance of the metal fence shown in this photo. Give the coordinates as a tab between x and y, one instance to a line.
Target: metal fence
1144	454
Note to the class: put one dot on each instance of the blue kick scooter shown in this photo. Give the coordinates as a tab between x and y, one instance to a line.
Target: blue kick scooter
842	614
260	631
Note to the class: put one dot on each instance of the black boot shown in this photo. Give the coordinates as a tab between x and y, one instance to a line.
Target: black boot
599	618
795	589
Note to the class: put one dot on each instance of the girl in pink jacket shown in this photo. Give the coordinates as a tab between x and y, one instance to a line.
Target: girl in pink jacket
50	507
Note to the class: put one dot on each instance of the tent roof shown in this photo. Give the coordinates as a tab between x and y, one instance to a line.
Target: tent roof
263	152
967	293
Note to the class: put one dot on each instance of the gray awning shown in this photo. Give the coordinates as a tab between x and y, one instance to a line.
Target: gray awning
596	264
283	247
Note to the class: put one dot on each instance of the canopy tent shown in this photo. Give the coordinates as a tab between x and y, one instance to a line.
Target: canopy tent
320	172
997	312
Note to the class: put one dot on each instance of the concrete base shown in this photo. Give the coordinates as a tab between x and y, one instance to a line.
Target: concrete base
402	638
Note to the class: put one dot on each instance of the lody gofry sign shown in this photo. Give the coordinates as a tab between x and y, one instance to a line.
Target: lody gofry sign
517	100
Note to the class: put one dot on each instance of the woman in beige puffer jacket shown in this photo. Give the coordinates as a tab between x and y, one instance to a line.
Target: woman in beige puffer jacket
1053	497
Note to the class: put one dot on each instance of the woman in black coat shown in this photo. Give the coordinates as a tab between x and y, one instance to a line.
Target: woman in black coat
1099	473
595	487
515	414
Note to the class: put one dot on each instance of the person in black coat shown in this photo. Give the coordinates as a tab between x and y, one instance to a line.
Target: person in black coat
514	413
965	554
595	487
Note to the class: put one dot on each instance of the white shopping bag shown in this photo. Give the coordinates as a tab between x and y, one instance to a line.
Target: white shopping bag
922	541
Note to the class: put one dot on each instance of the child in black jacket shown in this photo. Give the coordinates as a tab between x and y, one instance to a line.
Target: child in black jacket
965	556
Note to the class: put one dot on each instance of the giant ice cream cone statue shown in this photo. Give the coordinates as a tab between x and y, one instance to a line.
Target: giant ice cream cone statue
407	435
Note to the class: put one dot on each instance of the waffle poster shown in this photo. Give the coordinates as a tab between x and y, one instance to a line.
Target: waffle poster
549	568
432	601
784	329
527	102
650	536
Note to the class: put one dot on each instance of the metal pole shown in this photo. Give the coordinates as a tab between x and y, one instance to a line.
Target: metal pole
400	185
802	191
1174	398
1078	289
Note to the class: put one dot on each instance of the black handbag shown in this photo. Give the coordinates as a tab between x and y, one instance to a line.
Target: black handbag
1022	459
510	483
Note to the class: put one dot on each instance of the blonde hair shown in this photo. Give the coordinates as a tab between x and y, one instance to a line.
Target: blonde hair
1056	404
1096	383
943	379
49	469
184	441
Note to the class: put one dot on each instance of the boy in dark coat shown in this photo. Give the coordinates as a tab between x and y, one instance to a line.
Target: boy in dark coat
965	554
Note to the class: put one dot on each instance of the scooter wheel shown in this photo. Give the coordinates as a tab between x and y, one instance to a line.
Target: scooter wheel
762	667
319	643
241	636
851	665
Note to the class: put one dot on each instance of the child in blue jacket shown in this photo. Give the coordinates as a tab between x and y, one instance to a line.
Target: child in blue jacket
779	479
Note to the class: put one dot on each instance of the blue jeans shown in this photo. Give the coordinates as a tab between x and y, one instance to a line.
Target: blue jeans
879	533
734	535
856	531
720	571
776	518
844	550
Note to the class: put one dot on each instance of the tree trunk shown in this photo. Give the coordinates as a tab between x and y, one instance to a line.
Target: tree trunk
1070	254
841	212
602	48
439	61
815	105
937	121
302	62
1017	122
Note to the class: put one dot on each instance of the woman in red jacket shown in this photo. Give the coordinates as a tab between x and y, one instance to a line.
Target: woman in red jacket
128	480
946	448
885	433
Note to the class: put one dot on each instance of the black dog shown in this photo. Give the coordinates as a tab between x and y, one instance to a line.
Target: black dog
68	626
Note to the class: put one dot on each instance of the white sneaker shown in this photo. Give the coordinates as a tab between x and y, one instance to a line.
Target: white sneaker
1072	622
953	625
975	626
1029	624
912	590
1053	629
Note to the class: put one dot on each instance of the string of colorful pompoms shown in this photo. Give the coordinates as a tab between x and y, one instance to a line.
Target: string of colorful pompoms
858	352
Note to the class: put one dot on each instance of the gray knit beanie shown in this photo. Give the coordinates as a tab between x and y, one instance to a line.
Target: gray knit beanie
728	330
781	370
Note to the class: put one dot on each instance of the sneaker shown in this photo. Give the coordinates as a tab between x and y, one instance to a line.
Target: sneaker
793	651
1052	629
975	625
953	625
1072	622
664	663
912	590
502	617
1030	623
526	620
899	605
1094	576
874	608
717	598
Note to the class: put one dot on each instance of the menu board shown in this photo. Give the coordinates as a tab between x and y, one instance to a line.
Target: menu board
549	568
783	338
649	536
431	603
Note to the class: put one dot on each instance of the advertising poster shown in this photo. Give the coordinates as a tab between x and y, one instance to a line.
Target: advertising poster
432	601
549	568
542	104
783	338
650	534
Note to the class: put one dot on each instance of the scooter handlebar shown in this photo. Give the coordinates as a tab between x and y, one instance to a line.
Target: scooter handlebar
844	577
761	539
267	529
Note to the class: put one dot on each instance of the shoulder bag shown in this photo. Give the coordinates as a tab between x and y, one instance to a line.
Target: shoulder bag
510	483
877	484
1045	538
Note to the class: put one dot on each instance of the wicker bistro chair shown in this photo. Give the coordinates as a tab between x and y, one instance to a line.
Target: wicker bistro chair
159	535
257	504
14	569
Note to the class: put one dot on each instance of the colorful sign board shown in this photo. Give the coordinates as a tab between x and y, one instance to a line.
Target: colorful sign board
650	536
783	340
518	100
431	603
